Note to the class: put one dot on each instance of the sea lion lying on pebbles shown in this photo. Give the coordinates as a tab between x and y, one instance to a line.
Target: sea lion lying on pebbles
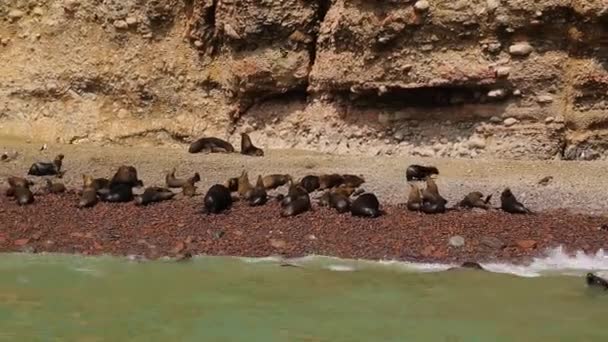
509	203
126	175
274	181
414	199
154	194
118	193
296	202
189	189
217	199
419	172
173	182
594	281
244	187
475	200
352	180
88	198
23	195
247	147
54	188
310	183
211	145
336	200
14	182
366	205
47	169
329	181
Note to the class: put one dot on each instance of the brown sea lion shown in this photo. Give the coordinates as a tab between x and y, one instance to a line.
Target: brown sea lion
366	205
258	195
211	145
339	201
244	188
154	194
275	181
352	180
18	181
88	198
100	183
414	199
217	199
54	188
475	200
189	189
509	203
47	169
432	202
310	183
126	175
330	181
23	195
247	147
344	190
232	184
173	182
419	172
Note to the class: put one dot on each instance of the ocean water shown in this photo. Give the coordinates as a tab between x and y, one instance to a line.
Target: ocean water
73	298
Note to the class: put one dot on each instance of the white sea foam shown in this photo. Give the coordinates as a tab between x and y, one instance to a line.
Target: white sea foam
554	262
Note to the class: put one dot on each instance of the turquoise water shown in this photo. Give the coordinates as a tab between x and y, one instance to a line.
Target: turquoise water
69	298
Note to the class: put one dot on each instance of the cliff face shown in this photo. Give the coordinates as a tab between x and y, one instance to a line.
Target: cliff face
469	78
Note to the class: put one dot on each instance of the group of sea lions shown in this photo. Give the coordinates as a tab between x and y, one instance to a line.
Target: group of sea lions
217	145
431	202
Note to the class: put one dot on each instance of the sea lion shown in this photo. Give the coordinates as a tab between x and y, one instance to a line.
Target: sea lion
258	195
594	281
88	198
232	184
339	201
100	183
47	169
154	194
18	181
344	190
244	188
366	205
275	181
432	202
126	175
173	182
330	181
475	200
352	180
23	195
211	145
310	183
217	199
189	189
247	147
54	188
414	199
118	193
419	172
509	203
296	202
295	191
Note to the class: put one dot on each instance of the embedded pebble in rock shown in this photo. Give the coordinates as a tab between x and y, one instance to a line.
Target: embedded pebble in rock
510	122
120	24
492	4
495	120
497	93
526	244
503	71
559	119
16	14
131	21
516	92
456	241
477	142
521	49
549	119
422	5
544	99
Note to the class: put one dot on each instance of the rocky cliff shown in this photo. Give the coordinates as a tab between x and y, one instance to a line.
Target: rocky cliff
469	78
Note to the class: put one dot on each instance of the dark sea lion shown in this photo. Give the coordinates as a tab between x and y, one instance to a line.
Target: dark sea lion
432	202
475	200
154	194
119	193
126	175
258	195
330	181
414	199
244	188
310	183
275	181
173	182
509	203
211	145
366	205
247	147
47	169
54	188
296	205
339	201
352	180
217	199
23	195
232	184
419	172
594	281
295	191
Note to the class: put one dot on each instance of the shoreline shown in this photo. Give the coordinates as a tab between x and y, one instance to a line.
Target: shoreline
175	228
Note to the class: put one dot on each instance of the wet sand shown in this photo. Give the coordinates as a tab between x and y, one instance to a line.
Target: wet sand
54	224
